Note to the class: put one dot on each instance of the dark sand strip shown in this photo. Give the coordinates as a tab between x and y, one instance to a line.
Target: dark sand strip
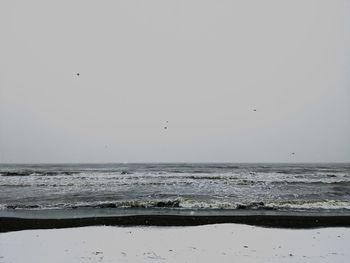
280	221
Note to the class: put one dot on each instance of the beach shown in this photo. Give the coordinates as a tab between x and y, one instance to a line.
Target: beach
175	131
47	219
174	213
206	243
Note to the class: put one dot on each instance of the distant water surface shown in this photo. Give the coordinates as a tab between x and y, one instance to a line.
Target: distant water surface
292	187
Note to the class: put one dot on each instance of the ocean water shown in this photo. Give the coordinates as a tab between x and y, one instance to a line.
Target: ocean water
182	186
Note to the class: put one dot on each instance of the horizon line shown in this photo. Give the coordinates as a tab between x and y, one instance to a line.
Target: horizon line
171	162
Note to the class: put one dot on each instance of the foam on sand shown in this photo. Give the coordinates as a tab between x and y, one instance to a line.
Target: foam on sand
209	243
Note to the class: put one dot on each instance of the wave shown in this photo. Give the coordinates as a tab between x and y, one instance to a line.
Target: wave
318	182
311	204
183	203
118	204
35	173
59	173
15	173
295	171
21	206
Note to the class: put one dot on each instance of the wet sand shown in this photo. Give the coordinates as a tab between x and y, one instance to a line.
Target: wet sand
267	220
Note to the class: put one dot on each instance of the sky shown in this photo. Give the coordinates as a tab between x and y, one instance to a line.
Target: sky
233	81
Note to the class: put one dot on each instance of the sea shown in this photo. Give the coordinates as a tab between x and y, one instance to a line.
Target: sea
176	187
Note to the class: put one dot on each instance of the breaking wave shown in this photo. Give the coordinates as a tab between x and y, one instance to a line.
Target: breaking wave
180	203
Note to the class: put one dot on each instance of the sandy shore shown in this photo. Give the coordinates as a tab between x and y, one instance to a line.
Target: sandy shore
209	243
14	220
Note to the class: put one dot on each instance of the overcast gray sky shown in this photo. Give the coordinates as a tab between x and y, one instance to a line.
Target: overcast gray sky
203	66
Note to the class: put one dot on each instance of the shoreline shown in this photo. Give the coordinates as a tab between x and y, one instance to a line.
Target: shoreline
8	224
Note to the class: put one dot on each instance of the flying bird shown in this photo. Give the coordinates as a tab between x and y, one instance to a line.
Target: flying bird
166	127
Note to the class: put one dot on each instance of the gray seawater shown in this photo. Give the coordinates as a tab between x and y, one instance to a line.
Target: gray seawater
291	187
